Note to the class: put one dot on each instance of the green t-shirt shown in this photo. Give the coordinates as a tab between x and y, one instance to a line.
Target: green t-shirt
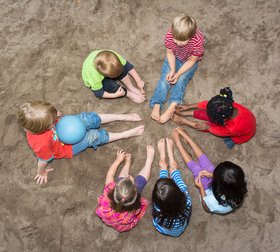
91	77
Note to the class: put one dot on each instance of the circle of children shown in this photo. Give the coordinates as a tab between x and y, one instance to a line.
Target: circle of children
109	75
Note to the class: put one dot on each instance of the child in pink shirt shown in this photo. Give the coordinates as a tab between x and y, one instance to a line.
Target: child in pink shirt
121	205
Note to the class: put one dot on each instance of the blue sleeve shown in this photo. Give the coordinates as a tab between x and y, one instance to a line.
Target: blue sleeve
163	174
177	178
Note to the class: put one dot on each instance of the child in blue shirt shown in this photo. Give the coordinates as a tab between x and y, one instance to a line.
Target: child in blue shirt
172	204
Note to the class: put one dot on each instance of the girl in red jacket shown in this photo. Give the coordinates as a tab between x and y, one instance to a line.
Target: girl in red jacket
221	116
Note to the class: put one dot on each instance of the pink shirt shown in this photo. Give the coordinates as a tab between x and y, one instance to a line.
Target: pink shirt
121	221
193	47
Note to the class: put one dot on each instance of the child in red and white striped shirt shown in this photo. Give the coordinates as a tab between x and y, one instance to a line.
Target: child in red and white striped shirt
184	45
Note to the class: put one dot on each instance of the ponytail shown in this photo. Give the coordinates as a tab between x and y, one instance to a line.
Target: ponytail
220	107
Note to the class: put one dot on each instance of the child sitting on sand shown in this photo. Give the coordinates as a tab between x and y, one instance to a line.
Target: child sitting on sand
172	204
184	45
225	118
222	189
101	71
121	205
39	118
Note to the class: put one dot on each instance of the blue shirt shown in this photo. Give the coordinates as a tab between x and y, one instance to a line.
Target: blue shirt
214	205
177	229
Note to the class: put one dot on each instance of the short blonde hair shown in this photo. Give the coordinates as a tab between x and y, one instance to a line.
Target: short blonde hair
183	27
108	63
37	116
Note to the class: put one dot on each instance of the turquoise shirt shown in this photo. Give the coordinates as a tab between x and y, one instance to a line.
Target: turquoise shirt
214	205
91	77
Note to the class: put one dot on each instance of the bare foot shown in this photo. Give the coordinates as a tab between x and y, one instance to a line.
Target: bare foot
150	153
162	155
168	113
184	113
177	119
156	112
131	117
134	90
137	98
138	131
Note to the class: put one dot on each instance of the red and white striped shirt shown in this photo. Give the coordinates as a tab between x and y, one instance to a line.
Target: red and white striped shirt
193	47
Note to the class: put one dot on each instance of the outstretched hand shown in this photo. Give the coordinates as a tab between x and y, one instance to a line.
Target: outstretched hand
198	182
205	173
43	176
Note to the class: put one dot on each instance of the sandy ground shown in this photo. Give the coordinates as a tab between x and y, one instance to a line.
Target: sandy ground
43	45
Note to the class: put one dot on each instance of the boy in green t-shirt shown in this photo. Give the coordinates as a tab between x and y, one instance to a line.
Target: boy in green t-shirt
101	71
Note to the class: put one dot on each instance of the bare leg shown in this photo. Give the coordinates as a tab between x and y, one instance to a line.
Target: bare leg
106	118
182	121
140	83
125	170
185	155
170	151
128	83
162	155
138	131
146	171
168	113
137	98
156	112
185	113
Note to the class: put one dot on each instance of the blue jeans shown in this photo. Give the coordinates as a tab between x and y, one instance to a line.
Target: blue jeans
94	137
228	142
178	90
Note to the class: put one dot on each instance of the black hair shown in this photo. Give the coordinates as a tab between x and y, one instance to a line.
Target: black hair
171	201
220	107
228	185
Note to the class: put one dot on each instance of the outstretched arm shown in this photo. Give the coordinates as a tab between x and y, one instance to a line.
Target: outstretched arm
125	170
197	150
113	168
42	175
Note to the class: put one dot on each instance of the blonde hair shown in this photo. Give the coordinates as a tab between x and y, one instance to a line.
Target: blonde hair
125	194
108	63
37	116
183	27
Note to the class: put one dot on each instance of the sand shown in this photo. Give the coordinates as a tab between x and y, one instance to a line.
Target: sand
43	45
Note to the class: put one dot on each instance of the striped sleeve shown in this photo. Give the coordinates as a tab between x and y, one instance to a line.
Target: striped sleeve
198	42
177	178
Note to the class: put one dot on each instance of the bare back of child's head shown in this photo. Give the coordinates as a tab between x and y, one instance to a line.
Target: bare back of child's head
183	27
171	201
125	196
108	64
220	107
229	185
37	116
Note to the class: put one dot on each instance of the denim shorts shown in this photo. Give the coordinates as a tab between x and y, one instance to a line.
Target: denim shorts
94	136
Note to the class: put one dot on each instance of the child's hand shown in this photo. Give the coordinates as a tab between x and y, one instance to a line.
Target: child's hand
120	92
201	126
198	182
43	176
174	79
170	75
140	85
205	173
120	155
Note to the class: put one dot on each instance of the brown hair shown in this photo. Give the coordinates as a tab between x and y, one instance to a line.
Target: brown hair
108	63
183	27
125	196
37	116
